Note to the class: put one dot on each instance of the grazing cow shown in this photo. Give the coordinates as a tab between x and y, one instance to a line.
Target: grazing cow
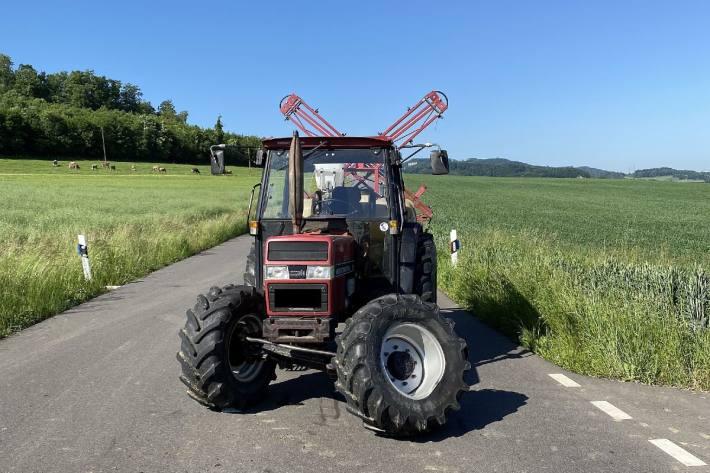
133	168
55	163
74	165
112	167
163	170
94	167
195	171
156	169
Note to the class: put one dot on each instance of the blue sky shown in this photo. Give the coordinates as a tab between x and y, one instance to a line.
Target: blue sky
619	85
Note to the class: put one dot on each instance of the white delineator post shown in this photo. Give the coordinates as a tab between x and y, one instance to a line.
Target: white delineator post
454	246
83	251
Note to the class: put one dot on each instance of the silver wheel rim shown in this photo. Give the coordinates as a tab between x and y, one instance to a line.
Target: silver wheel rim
412	360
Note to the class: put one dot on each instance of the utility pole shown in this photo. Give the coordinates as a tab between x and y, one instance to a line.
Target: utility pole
103	142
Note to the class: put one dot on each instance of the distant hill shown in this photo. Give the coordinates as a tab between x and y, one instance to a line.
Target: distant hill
499	167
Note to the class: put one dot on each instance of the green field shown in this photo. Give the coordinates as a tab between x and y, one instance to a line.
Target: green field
607	278
134	224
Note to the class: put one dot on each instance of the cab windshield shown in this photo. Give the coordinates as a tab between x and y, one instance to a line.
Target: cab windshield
341	183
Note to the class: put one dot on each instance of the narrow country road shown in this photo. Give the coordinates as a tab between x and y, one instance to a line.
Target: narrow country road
96	389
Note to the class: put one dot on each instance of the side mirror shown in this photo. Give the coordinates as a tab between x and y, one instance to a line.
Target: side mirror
259	157
439	162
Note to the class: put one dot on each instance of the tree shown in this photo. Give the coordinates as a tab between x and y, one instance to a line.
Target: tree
166	109
29	83
130	98
7	76
219	130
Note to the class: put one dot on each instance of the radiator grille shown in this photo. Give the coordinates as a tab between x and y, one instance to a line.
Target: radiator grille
298	251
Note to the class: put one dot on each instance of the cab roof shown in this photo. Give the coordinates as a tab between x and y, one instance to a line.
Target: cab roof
328	142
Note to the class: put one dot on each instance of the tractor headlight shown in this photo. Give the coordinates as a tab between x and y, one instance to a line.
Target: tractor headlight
319	272
276	272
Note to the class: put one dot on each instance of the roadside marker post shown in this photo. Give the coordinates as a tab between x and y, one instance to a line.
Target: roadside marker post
83	250
454	246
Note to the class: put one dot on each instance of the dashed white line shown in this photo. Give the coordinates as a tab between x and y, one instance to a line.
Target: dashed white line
680	454
610	409
564	380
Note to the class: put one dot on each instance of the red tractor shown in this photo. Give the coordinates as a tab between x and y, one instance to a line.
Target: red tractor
337	238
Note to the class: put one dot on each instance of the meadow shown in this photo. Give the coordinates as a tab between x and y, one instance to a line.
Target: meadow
606	278
135	222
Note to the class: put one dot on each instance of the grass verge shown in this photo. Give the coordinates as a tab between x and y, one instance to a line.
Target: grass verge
592	314
134	225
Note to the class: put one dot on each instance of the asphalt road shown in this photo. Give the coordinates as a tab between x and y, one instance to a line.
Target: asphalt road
96	389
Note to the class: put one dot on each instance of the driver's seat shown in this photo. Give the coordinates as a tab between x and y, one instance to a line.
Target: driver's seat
346	201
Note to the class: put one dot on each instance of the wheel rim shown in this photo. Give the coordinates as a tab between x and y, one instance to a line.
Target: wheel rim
244	371
412	359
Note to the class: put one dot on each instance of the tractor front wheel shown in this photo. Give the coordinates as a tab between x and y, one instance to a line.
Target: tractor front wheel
219	367
400	365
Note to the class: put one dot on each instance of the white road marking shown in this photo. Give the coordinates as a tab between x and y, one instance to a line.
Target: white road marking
564	380
613	411
680	454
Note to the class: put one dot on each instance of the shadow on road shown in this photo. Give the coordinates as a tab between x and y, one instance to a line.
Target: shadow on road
479	408
485	345
482	407
293	391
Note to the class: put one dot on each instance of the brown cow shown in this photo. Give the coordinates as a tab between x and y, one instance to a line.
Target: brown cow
73	165
105	164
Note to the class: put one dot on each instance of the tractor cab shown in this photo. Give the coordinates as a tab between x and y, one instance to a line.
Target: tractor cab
332	255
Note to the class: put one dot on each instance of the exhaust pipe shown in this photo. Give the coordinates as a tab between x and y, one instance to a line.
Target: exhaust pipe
295	183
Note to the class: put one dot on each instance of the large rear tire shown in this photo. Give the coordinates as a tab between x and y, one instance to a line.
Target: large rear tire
425	273
400	365
219	368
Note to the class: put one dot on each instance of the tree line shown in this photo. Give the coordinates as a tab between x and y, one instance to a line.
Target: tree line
682	174
63	114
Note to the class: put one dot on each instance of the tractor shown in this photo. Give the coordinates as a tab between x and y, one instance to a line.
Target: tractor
341	277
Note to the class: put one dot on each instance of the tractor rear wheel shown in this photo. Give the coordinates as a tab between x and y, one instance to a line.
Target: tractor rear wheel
425	272
400	365
219	368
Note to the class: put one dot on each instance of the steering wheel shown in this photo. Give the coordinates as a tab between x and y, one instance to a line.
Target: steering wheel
328	203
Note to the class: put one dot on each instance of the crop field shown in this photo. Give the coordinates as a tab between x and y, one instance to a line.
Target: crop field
135	222
607	278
